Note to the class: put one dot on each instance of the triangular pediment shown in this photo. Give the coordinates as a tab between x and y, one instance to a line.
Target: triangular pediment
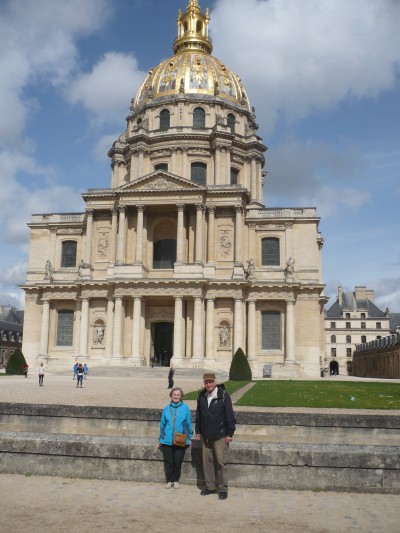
160	180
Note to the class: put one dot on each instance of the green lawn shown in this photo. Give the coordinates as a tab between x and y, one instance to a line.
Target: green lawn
230	386
342	395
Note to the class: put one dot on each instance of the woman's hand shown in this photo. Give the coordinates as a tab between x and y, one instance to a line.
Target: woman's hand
159	445
198	436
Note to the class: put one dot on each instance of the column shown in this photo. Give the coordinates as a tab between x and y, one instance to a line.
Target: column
178	328
140	163
121	234
117	327
197	329
211	234
251	331
253	192
134	166
83	342
228	167
238	235
184	164
290	355
110	326
44	330
53	235
89	231
139	234
210	329
238	325
179	234
199	233
113	243
173	168
217	177
137	315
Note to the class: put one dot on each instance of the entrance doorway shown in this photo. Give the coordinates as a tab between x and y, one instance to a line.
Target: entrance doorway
334	368
163	335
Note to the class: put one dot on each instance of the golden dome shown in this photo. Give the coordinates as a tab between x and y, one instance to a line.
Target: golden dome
192	70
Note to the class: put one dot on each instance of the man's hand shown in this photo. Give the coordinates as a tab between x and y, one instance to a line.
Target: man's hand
198	436
228	440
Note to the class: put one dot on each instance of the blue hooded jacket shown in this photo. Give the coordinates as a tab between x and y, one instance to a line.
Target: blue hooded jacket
182	420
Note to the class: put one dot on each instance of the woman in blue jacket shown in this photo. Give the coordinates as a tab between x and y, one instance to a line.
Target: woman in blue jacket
175	418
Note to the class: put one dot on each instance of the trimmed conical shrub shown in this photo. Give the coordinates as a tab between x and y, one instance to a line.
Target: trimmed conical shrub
15	363
240	369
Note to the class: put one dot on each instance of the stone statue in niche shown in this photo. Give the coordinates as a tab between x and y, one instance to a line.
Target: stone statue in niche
224	336
48	270
250	269
289	270
98	334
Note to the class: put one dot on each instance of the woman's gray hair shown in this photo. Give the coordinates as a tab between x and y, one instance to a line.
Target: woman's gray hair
179	389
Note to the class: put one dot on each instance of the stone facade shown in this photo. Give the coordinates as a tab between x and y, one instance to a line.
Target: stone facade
180	258
352	319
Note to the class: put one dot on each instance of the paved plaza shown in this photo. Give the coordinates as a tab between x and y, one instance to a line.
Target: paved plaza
50	505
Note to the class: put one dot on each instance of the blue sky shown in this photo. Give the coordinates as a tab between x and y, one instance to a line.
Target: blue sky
323	75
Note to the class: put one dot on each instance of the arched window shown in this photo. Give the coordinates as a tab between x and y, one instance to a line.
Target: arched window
348	339
271	330
161	166
198	173
234	176
68	254
231	122
139	122
165	119
199	26
270	251
199	118
333	339
164	255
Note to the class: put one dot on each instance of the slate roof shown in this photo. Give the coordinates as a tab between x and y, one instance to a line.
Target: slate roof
350	303
394	321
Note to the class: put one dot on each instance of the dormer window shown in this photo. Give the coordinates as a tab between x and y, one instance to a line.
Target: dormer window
231	122
234	176
161	166
165	119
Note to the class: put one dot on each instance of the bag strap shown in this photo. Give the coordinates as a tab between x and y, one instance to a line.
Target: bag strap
173	419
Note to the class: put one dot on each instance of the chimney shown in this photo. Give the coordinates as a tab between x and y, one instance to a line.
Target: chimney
370	295
361	292
340	295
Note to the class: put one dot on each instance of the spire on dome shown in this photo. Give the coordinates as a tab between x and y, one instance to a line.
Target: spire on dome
193	30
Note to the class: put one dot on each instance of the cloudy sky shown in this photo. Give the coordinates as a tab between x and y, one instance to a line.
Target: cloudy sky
323	75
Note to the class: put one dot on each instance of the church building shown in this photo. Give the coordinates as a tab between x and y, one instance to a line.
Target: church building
179	262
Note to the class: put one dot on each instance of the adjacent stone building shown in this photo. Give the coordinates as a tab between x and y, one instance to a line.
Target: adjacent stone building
179	262
353	319
11	323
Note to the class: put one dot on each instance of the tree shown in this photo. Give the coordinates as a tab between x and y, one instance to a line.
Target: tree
240	369
15	363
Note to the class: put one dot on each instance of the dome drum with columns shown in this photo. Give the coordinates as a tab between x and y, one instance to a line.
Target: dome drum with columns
179	261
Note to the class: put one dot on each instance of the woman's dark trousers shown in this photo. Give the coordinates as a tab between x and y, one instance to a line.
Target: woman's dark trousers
173	458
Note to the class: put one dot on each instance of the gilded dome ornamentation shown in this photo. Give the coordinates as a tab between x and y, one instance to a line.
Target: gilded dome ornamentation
192	70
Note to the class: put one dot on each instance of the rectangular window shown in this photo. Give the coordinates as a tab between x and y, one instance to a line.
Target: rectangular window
333	352
271	330
362	315
348	352
363	325
270	252
333	325
348	325
378	325
363	338
65	326
68	254
347	315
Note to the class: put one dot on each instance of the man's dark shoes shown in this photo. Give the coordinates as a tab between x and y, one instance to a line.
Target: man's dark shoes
206	492
223	495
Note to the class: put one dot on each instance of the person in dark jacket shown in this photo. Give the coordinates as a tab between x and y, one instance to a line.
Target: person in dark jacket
215	426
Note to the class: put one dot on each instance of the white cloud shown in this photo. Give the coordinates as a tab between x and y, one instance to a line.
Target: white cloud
103	145
387	291
298	173
106	91
302	56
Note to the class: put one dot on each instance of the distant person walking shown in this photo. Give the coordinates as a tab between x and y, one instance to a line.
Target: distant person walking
85	370
41	375
171	377
80	375
75	370
25	367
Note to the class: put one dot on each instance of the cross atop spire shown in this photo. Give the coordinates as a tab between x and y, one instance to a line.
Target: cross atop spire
193	30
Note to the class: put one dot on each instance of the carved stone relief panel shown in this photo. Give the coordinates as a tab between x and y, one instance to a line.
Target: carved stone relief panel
225	243
103	241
